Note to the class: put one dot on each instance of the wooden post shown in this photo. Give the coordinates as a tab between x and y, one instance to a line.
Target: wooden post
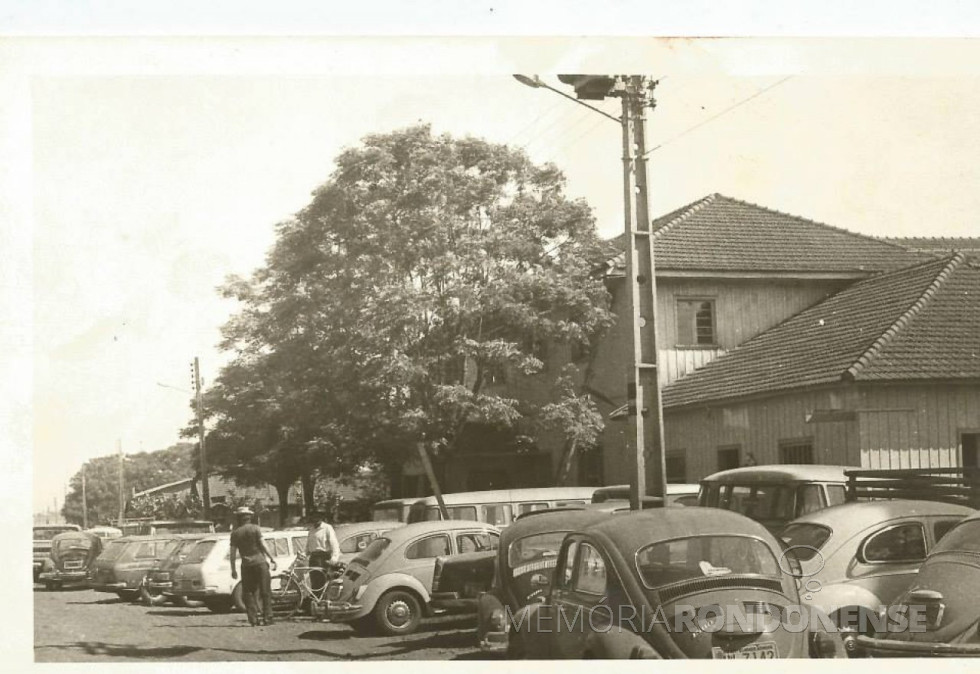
427	465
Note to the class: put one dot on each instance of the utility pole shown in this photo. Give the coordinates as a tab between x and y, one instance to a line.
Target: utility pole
122	493
646	434
205	487
84	501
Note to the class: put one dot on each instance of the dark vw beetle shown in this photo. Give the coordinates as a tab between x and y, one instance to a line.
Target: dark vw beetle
524	566
71	555
671	583
939	615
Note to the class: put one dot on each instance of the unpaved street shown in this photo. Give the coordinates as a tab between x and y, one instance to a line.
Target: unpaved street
87	626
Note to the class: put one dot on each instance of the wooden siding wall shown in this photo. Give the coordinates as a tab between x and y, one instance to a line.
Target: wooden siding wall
893	426
743	308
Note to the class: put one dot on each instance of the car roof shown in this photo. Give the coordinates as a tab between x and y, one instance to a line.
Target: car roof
352	527
672	488
632	531
408	531
157	537
560	519
849	518
781	472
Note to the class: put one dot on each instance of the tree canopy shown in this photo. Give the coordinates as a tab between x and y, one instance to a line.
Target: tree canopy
427	270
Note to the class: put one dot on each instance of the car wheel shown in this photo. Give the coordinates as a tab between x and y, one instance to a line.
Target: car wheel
238	599
397	612
218	604
128	595
150	598
52	585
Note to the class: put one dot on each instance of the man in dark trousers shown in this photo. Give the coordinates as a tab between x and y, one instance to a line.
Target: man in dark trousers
246	540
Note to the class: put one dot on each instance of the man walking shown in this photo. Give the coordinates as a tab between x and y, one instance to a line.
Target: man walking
322	545
246	540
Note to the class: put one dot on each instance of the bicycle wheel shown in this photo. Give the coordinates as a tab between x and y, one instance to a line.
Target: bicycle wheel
287	595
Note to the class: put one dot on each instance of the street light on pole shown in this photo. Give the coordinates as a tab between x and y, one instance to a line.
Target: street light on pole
645	412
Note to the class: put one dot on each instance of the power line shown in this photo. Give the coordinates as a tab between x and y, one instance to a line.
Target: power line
716	116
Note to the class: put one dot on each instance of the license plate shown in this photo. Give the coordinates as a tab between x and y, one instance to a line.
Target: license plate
71	564
763	651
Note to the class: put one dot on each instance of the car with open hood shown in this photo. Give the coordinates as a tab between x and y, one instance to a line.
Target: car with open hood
856	558
71	555
387	586
671	583
939	613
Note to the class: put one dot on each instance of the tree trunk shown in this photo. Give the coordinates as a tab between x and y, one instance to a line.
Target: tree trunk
282	490
309	495
565	464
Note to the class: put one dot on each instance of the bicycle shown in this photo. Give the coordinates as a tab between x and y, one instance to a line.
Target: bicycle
301	584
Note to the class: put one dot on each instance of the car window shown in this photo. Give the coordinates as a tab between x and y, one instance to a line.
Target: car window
534	548
497	514
836	494
427	548
569	504
199	552
524	508
358	542
704	556
811	499
151	549
962	538
568	568
282	547
805	538
942	527
901	543
684	499
299	545
373	551
590	576
475	542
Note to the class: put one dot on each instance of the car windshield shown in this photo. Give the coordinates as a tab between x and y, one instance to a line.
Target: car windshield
760	501
181	549
699	557
77	542
199	552
387	514
806	539
962	538
534	548
48	534
114	550
372	551
154	549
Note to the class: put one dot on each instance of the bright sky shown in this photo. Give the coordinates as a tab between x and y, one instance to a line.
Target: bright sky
160	166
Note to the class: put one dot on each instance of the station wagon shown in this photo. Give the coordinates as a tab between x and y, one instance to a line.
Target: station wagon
124	563
387	586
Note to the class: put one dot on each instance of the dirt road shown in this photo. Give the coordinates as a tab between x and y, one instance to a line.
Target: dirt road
87	626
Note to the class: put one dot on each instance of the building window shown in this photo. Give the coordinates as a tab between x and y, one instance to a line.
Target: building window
729	457
696	323
676	464
796	451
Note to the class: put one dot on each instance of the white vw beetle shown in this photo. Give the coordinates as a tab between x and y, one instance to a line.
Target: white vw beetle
387	586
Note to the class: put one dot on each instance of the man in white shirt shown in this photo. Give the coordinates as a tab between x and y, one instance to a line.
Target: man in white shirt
322	545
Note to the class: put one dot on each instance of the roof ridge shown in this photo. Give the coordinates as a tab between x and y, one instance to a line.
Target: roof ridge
865	358
866	237
691	208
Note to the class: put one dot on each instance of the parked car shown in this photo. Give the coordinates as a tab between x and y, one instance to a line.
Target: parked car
354	537
205	573
943	602
498	507
123	565
387	586
72	552
42	543
106	533
521	571
776	494
857	557
677	494
392	509
669	583
157	586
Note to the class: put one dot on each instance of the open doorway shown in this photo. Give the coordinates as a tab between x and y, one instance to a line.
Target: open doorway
970	442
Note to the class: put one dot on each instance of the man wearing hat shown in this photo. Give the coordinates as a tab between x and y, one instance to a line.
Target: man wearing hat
246	540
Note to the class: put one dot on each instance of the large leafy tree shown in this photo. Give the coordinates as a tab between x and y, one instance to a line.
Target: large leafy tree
425	270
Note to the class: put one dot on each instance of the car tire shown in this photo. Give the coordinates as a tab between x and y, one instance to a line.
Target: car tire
52	585
128	595
238	599
148	598
397	612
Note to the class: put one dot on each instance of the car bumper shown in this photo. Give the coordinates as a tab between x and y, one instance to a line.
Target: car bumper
862	646
494	642
65	576
160	587
451	602
341	611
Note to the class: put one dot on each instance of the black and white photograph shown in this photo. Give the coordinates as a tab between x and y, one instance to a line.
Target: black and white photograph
491	349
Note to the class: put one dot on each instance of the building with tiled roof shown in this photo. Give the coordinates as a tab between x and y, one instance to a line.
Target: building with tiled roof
885	373
940	245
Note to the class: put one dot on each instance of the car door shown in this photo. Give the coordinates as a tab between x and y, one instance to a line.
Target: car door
888	558
420	557
574	614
